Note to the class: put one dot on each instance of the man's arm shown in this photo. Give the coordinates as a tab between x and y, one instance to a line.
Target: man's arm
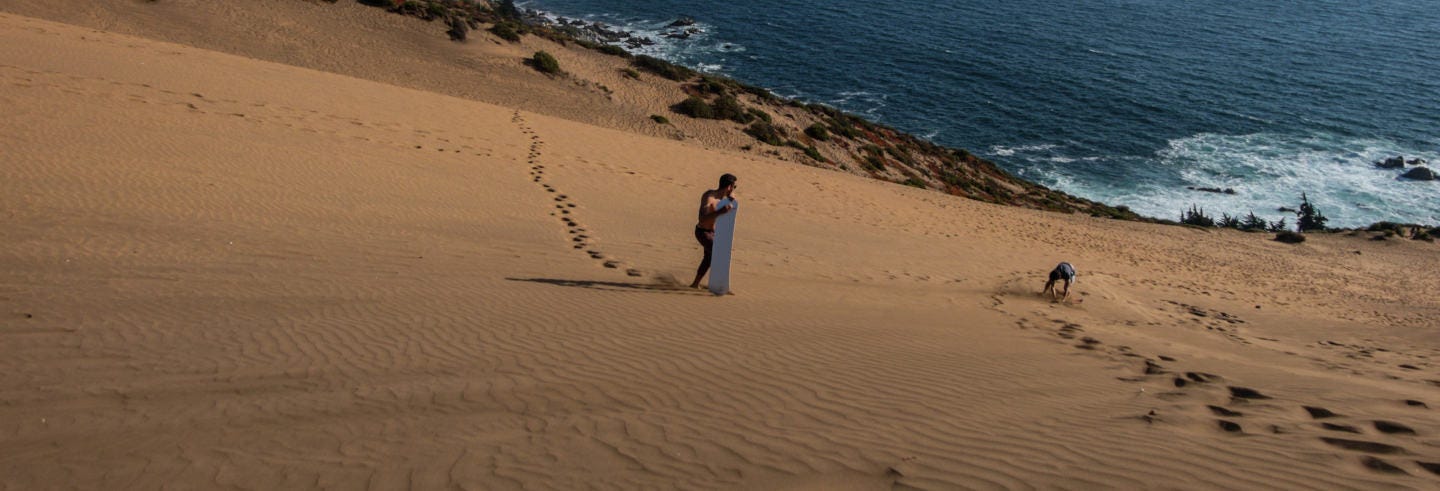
711	212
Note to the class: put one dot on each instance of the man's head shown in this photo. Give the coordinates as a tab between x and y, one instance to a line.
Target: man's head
727	184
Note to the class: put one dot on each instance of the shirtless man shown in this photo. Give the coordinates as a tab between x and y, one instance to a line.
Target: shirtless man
1063	271
705	227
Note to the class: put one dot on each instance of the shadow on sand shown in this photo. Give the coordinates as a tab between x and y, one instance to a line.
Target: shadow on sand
616	286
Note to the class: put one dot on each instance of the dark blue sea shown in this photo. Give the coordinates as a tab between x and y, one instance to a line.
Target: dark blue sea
1125	102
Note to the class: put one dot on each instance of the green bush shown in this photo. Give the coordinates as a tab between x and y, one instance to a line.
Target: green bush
630	72
818	132
875	163
660	119
915	182
814	154
765	132
613	50
663	68
727	107
546	63
506	31
694	107
710	85
1289	237
436	10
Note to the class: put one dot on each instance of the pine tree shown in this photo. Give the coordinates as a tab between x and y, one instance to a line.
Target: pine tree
1252	222
1308	218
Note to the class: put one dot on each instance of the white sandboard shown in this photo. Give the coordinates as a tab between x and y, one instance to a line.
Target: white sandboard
720	252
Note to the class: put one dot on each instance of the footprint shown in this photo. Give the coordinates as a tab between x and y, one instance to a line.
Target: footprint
1221	411
1246	393
1363	446
1377	465
1392	428
1340	427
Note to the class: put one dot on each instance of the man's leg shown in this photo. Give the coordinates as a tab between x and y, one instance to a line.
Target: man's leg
707	240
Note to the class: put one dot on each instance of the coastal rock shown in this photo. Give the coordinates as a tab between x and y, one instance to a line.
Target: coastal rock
1395	162
682	22
1420	174
1213	190
1416	161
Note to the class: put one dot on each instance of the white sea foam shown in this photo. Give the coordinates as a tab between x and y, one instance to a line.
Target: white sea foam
1268	171
1005	151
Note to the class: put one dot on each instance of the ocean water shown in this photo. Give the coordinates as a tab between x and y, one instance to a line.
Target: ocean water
1122	101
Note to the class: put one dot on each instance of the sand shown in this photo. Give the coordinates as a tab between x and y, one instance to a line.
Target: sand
229	270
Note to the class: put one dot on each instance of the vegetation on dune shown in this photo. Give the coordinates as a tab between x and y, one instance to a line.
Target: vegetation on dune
545	63
663	68
766	132
506	31
818	131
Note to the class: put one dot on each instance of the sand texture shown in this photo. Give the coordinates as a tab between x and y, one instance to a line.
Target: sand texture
225	267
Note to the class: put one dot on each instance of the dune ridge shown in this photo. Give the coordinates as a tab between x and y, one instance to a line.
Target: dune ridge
230	272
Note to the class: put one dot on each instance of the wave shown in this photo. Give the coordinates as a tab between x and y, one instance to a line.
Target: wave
1267	171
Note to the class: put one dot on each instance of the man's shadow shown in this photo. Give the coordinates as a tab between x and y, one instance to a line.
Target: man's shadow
616	286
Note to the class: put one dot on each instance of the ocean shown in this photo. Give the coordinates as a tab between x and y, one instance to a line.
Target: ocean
1124	102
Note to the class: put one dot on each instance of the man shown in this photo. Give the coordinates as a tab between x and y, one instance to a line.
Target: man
705	227
1062	272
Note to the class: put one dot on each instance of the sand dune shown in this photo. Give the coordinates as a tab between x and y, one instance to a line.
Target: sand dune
230	272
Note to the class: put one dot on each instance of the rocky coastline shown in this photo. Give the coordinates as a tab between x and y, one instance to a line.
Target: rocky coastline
882	152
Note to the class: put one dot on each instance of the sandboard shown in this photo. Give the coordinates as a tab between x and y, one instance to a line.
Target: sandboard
720	252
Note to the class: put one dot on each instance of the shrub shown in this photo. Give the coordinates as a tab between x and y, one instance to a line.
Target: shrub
1426	235
915	182
874	163
506	31
1196	216
546	63
1278	226
765	132
1308	217
710	85
459	30
694	107
660	119
663	68
818	132
727	107
843	128
761	115
1289	237
814	154
630	72
1383	226
613	50
436	10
